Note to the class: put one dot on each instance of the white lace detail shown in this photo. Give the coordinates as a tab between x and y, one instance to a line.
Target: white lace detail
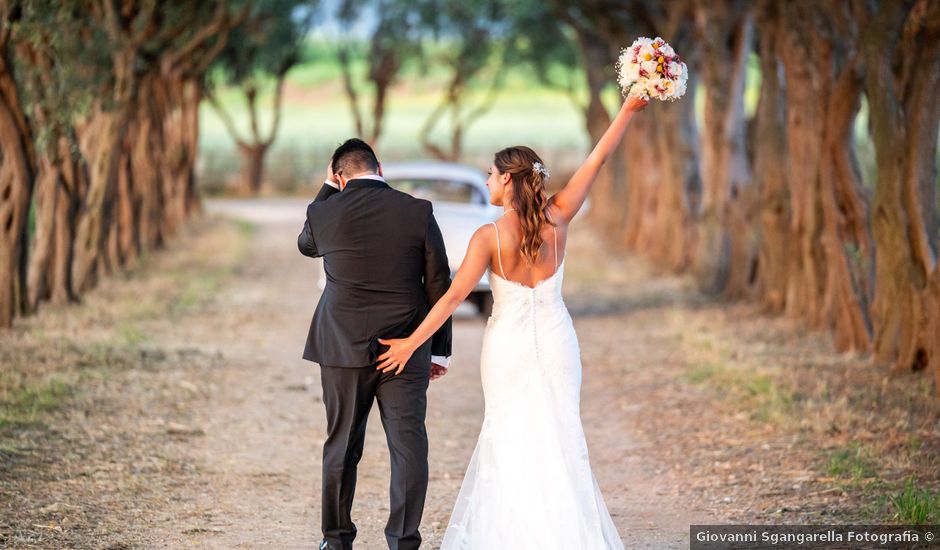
529	485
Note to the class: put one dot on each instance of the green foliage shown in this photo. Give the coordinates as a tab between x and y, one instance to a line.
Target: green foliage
916	504
62	63
64	54
537	37
392	35
269	42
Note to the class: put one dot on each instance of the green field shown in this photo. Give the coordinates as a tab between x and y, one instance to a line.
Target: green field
317	117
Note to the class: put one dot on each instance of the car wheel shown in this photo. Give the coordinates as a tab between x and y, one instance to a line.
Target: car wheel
484	302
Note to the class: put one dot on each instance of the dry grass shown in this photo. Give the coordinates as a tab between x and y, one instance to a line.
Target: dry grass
77	467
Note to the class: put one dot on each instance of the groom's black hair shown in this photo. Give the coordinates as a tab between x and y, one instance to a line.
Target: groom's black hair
354	156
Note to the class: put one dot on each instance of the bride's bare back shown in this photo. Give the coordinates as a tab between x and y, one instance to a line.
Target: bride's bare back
508	261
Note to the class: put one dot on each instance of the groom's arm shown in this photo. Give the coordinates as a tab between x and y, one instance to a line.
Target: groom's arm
436	283
305	241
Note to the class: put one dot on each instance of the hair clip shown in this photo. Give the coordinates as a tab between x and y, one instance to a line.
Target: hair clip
540	168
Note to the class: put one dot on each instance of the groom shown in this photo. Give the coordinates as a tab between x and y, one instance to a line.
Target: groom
385	266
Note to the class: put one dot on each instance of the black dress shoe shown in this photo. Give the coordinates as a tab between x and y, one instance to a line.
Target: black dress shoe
325	545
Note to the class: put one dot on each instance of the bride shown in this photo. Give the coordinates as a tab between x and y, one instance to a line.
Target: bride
529	484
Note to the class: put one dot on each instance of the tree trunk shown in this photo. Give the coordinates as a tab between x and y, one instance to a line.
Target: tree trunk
725	253
123	244
594	57
672	230
189	145
770	157
252	155
72	179
42	247
644	171
16	188
807	93
904	117
93	231
845	238
673	227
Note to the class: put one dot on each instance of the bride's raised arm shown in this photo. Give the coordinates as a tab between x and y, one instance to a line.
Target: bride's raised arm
566	202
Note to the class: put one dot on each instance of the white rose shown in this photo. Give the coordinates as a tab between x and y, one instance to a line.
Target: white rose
667	50
638	91
676	69
649	67
630	72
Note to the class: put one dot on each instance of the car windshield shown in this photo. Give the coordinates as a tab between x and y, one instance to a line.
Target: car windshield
438	190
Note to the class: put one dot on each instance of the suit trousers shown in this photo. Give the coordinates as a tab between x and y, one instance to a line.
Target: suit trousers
348	394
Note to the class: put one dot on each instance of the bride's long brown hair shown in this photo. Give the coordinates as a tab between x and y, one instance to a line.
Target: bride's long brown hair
528	195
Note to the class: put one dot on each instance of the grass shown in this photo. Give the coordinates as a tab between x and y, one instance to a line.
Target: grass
764	398
194	290
853	463
23	407
131	333
915	504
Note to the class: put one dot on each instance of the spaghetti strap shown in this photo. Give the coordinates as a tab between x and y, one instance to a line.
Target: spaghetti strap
555	231
499	257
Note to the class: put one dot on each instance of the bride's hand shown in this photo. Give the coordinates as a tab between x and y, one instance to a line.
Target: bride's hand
398	354
635	104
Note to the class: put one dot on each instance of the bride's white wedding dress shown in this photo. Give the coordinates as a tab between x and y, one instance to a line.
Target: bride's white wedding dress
529	484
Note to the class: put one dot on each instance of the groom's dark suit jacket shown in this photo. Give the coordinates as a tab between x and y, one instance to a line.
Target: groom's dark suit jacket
385	266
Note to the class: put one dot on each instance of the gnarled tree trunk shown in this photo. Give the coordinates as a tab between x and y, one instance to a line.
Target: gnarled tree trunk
725	252
16	188
902	49
770	153
95	217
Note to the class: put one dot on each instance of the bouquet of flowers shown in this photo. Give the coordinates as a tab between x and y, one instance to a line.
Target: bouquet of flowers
651	68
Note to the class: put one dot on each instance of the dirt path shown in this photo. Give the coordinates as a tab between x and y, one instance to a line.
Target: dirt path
203	428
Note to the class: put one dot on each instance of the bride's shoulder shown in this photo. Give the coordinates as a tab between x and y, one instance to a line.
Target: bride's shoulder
483	239
490	234
485	231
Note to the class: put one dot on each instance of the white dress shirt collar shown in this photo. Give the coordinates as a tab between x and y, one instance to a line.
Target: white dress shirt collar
365	177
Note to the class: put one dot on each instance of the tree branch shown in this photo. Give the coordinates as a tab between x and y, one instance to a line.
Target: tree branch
344	63
226	119
278	99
